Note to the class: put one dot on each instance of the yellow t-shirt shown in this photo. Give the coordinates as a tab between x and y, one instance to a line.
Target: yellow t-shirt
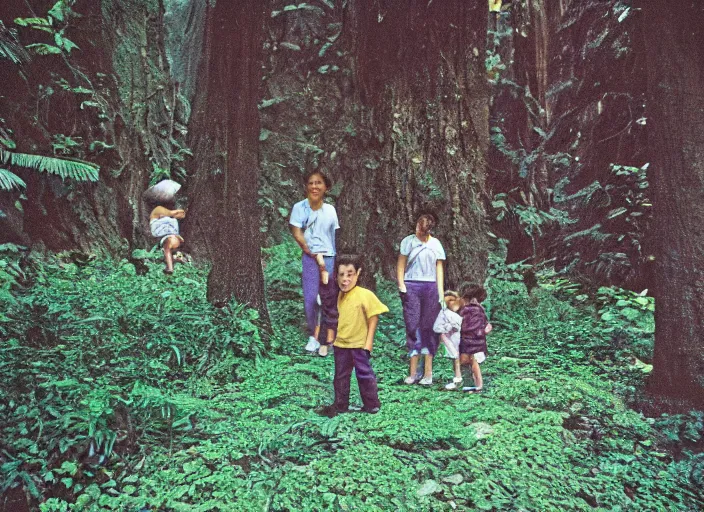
355	308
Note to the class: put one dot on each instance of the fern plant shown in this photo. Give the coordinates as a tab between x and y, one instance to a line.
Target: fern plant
10	47
9	180
64	167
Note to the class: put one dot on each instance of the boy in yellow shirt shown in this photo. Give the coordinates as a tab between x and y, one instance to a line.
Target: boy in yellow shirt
359	311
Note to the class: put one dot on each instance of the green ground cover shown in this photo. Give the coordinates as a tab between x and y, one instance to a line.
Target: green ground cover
127	391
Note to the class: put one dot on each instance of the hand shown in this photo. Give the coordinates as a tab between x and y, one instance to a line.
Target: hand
179	214
402	288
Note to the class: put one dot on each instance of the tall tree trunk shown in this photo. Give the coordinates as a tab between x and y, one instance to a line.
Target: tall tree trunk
419	74
675	51
531	61
151	113
224	212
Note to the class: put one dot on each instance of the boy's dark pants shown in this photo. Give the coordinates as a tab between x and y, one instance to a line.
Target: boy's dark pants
345	360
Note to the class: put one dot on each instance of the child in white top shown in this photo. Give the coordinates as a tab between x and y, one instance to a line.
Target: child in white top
448	325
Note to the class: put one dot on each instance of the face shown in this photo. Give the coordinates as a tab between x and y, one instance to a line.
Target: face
315	188
452	303
347	277
425	223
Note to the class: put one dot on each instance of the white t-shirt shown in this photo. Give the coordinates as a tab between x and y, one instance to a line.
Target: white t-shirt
448	323
422	258
318	226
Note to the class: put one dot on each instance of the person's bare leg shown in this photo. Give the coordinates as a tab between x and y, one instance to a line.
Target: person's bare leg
428	367
458	369
324	275
323	350
465	362
414	367
170	244
477	374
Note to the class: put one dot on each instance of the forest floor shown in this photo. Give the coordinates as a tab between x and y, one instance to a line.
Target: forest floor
128	391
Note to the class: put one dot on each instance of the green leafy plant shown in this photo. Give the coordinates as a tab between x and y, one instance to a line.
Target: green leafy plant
10	47
9	180
124	392
63	167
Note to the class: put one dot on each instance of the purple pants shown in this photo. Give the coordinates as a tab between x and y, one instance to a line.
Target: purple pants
312	286
345	360
420	309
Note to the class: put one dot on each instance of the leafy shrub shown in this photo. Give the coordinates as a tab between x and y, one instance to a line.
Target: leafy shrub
105	358
112	403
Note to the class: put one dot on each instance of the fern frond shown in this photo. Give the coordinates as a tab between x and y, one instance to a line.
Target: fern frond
10	47
9	180
64	167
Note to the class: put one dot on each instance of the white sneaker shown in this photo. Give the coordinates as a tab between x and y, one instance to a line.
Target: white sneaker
454	384
426	381
410	380
312	345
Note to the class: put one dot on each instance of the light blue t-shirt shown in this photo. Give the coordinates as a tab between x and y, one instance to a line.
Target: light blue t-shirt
422	258
318	226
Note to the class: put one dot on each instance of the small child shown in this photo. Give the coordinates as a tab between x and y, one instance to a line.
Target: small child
475	327
359	311
163	223
448	325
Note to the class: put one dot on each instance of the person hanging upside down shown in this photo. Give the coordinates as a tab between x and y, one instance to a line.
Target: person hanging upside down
163	223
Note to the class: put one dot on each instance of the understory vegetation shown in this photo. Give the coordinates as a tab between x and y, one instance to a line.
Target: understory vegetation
127	390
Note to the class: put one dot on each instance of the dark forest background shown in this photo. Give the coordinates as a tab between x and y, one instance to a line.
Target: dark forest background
557	140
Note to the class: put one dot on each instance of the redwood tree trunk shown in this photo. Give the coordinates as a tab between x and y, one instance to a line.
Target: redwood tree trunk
224	214
423	133
675	51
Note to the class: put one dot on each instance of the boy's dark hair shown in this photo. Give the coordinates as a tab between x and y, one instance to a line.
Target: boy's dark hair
328	182
348	259
474	291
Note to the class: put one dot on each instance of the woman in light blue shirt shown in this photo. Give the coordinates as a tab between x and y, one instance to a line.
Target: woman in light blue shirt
314	224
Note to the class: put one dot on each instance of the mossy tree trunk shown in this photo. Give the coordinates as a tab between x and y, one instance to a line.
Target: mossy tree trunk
225	137
567	105
422	134
520	44
57	105
534	29
675	48
114	101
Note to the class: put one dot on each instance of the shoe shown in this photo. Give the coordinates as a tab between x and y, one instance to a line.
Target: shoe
410	380
471	389
323	351
454	384
373	410
312	345
426	381
329	411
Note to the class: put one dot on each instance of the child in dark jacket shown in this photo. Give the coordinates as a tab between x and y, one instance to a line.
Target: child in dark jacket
475	327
